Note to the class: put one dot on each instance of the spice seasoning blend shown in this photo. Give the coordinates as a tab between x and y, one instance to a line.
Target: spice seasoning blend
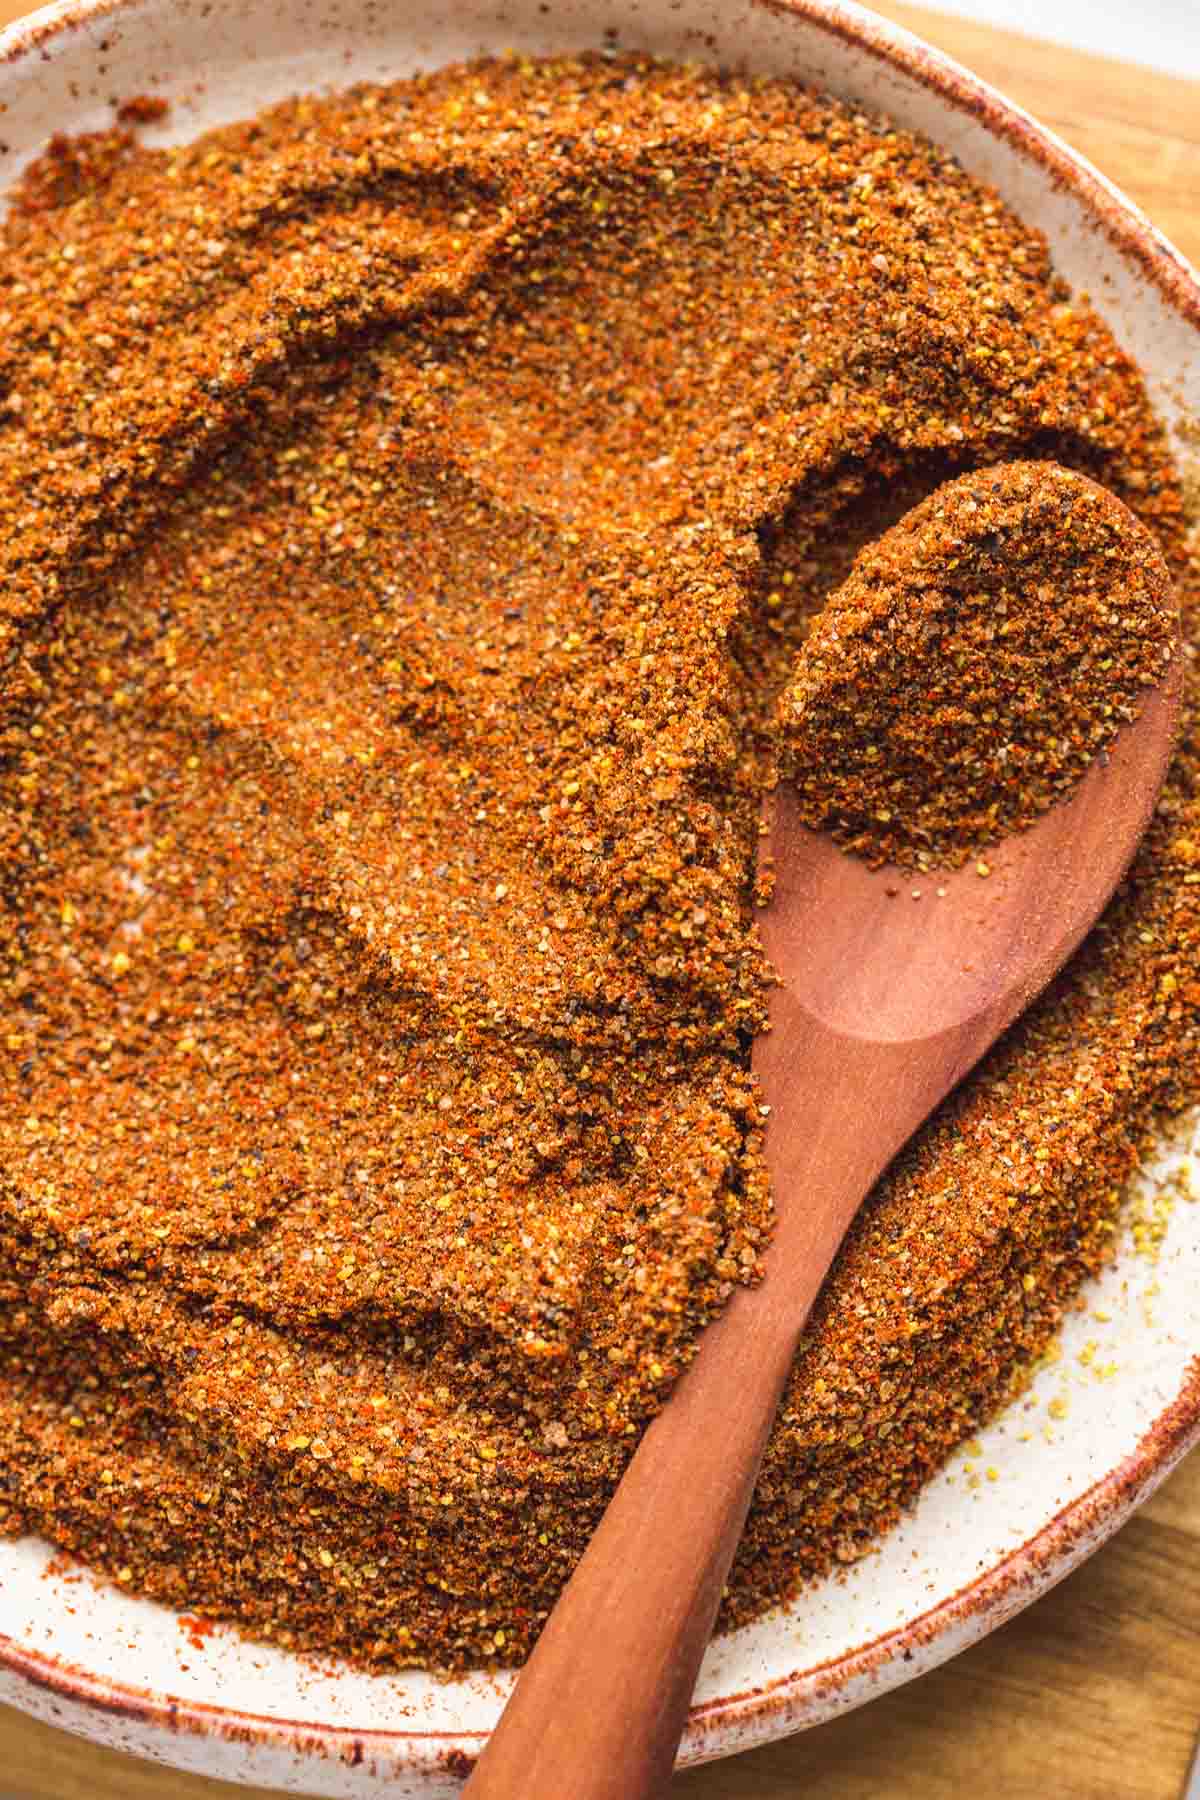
975	661
411	506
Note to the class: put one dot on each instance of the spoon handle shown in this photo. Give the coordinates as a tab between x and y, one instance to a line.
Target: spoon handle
599	1708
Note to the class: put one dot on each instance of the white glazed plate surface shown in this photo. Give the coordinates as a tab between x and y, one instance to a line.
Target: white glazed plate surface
1058	1473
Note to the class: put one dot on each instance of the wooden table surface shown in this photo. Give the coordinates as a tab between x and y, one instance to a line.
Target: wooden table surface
1094	1693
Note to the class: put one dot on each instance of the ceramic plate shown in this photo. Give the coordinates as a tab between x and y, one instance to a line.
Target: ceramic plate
1047	1482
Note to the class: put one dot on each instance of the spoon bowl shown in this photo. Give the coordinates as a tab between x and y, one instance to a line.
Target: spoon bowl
895	955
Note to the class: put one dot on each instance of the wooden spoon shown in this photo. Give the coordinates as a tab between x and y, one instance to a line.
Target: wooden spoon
886	1002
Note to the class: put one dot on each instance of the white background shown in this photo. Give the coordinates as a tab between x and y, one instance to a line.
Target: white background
1163	33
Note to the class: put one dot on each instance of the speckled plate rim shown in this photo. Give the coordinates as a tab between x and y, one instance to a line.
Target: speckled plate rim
791	1704
52	1686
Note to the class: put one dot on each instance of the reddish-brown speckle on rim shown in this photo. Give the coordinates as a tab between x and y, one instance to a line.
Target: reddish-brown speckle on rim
1123	224
1037	1564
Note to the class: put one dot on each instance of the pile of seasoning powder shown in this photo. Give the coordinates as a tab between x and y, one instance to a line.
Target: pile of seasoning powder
411	506
975	662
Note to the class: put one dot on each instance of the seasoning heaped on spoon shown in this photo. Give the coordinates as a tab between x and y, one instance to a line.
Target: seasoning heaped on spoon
974	663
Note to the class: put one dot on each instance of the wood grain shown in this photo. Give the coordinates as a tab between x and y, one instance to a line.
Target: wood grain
1095	1691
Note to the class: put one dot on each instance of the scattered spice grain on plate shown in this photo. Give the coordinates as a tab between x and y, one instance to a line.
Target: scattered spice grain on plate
411	506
